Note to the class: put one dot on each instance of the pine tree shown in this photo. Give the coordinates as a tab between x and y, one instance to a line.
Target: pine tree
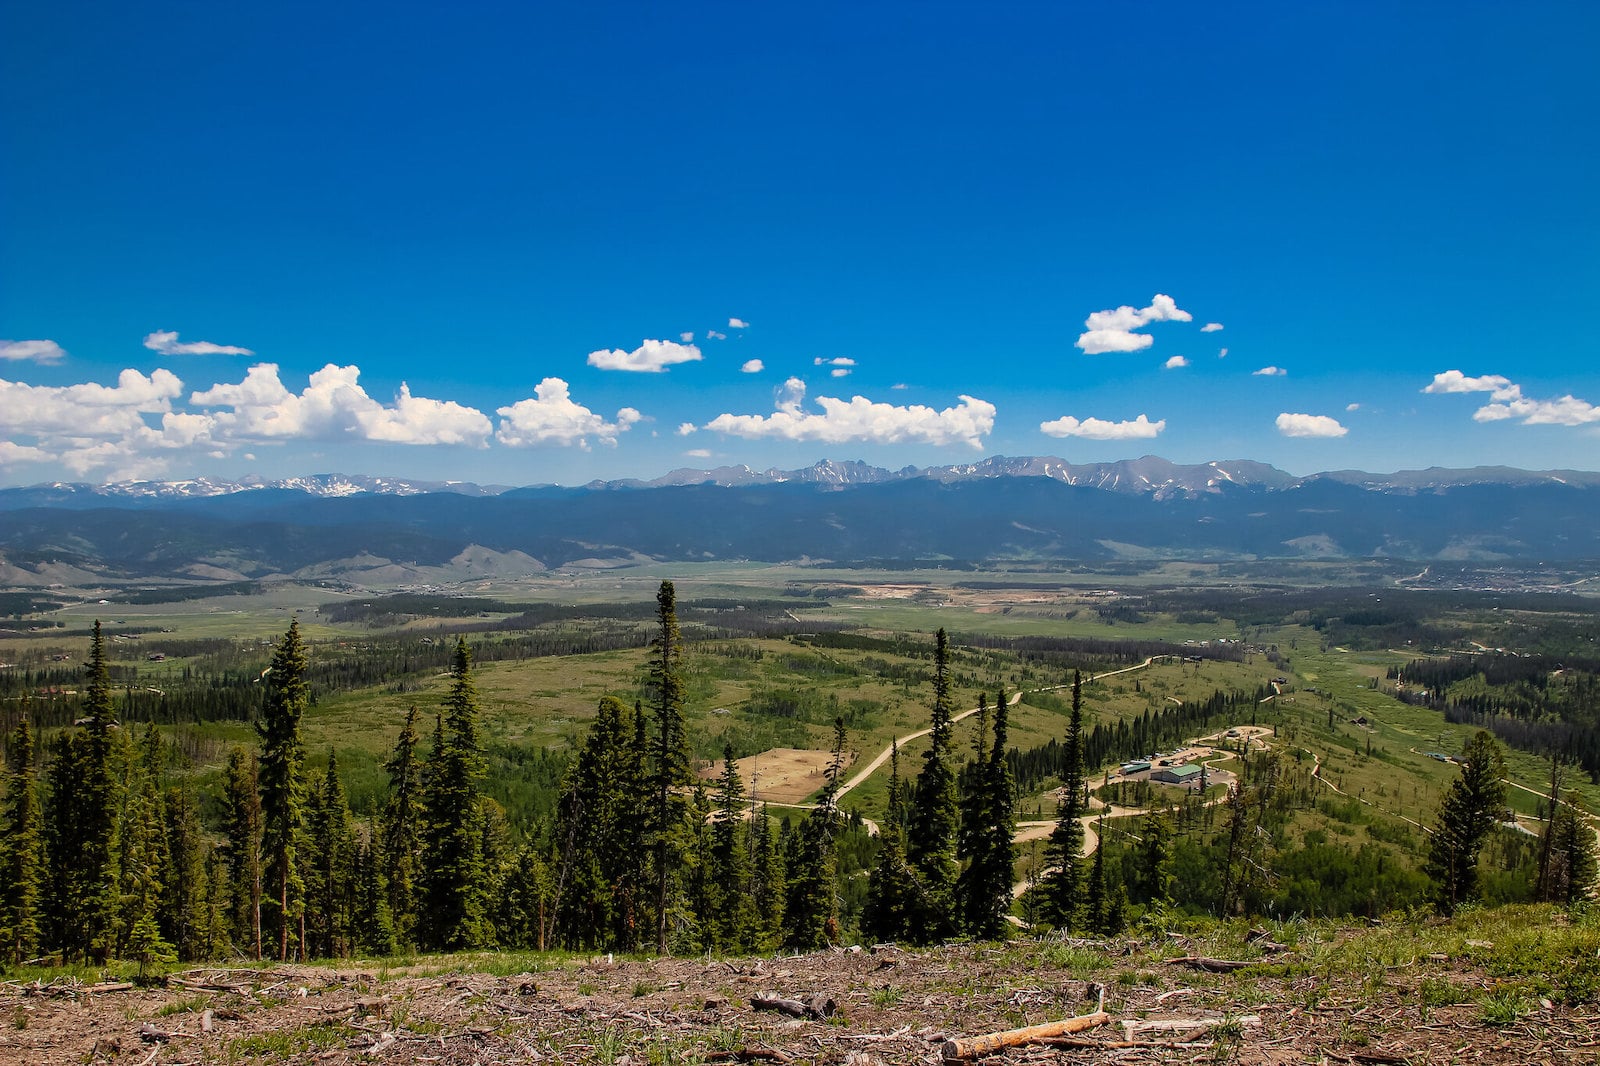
989	877
372	928
1063	884
1155	849
454	900
330	859
974	804
670	768
768	887
597	833
399	836
893	893
278	773
811	912
81	822
184	906
733	925
934	821
142	855
241	853
1567	873
21	851
1469	810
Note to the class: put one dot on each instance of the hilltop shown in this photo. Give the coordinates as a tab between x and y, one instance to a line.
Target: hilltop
1503	986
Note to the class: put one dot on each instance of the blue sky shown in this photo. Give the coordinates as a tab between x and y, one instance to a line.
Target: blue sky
547	243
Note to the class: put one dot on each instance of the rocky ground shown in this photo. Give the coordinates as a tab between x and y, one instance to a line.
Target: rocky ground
1342	997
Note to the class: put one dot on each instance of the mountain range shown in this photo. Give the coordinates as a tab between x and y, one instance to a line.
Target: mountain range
393	530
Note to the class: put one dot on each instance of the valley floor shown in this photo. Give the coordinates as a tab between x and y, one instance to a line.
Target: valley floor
1420	992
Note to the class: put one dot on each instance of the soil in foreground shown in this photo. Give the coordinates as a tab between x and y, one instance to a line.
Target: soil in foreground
1425	992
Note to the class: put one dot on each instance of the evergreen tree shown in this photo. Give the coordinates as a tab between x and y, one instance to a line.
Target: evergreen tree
733	925
142	855
935	819
330	873
768	888
670	768
372	926
454	905
1567	873
1154	883
893	893
988	878
81	823
811	911
185	915
241	853
1063	883
399	836
21	851
278	775
1469	810
597	832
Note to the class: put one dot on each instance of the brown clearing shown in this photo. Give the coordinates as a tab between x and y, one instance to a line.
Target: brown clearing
780	775
893	1006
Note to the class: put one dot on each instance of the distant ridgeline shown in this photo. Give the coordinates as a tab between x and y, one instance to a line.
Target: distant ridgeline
1041	510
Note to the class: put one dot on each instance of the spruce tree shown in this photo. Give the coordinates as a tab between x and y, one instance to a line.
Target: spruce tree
596	832
768	888
935	819
454	904
399	834
733	927
670	768
1063	882
1469	810
372	927
989	877
894	892
185	915
142	856
330	873
21	851
241	852
278	774
81	823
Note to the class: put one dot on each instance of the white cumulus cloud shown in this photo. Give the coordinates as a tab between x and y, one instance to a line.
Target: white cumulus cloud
1454	381
1211	327
38	351
698	453
651	357
1298	425
752	366
838	361
1352	407
686	428
122	427
1175	362
715	335
551	416
1140	428
1511	403
1269	372
334	406
686	336
1223	354
1113	331
839	372
860	419
738	323
165	341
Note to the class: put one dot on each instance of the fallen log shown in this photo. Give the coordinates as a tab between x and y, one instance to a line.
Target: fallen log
974	1047
815	1007
1200	962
